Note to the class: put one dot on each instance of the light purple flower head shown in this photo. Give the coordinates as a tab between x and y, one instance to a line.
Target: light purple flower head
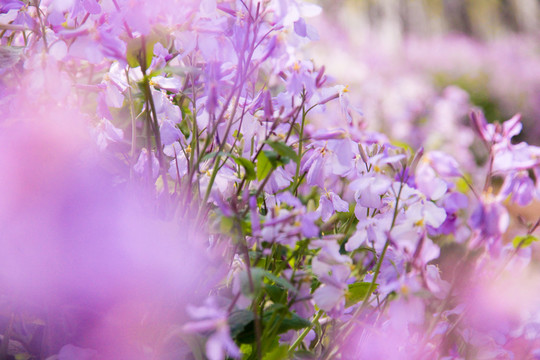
520	187
490	221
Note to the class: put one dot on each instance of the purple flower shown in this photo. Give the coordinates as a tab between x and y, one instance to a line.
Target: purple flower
521	156
309	229
497	134
329	203
279	180
333	270
370	230
213	77
497	137
369	190
143	168
209	317
520	187
301	77
435	284
92	6
171	84
106	132
179	164
452	203
444	164
428	182
490	220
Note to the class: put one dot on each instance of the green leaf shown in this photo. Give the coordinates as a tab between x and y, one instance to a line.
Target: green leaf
304	354
356	292
239	321
288	321
242	323
215	154
278	353
248	165
140	47
257	275
275	158
523	241
264	166
246	349
283	149
226	224
403	145
276	293
280	281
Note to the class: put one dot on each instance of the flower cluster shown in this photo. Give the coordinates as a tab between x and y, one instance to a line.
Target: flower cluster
166	195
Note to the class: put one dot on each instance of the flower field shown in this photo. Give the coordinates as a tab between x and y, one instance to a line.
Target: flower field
246	179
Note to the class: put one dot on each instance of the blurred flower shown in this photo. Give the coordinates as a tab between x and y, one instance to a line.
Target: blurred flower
209	317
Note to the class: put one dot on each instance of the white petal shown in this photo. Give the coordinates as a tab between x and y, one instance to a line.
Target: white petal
327	297
434	215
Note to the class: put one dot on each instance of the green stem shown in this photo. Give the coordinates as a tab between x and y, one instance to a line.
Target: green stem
348	327
133	127
300	144
381	258
305	332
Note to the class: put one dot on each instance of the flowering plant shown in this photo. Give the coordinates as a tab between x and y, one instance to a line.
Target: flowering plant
165	195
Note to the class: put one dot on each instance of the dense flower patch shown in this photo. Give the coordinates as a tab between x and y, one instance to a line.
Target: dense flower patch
165	195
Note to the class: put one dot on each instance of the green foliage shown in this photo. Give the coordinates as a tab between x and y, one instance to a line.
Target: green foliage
277	353
276	317
356	293
239	321
248	166
276	293
268	160
140	51
284	150
257	275
287	321
264	166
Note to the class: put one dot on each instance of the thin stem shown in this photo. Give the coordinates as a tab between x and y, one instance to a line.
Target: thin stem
300	144
133	127
305	332
36	4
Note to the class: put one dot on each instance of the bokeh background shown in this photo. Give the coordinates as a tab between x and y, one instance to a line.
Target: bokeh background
414	68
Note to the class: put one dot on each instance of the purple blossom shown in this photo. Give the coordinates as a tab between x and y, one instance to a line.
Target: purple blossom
520	187
489	220
329	203
496	134
106	132
452	203
369	191
147	165
209	317
333	270
429	183
444	164
309	228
